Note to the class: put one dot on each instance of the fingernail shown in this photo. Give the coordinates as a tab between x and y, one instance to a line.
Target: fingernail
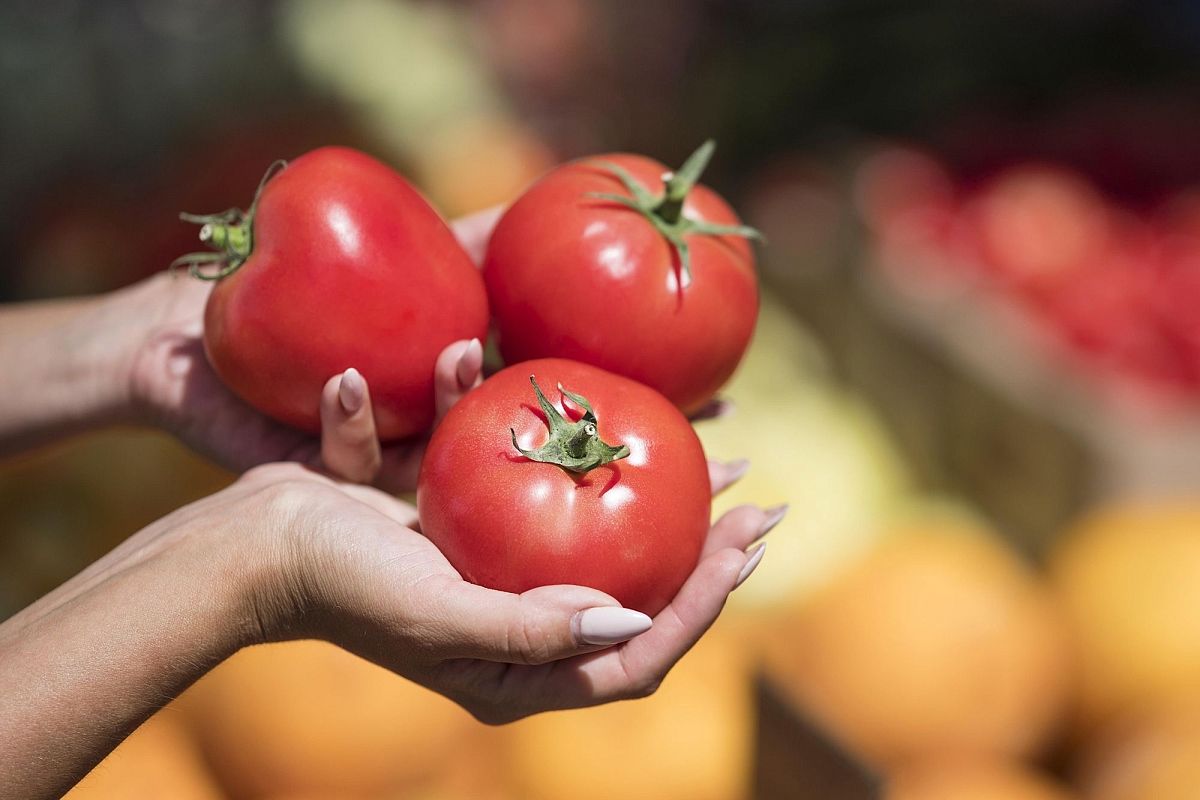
752	562
352	391
737	468
723	407
468	364
774	515
609	624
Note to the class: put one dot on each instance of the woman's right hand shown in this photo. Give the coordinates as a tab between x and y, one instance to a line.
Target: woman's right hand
347	566
286	552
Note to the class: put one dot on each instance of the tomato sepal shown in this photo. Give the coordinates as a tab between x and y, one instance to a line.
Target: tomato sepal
230	233
574	446
665	213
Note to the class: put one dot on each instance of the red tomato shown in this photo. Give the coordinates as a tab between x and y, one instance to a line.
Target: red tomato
572	275
349	267
632	527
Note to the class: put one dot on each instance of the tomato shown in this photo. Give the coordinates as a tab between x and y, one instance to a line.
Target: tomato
628	517
339	263
602	262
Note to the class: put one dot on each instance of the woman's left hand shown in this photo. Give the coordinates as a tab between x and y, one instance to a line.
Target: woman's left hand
172	385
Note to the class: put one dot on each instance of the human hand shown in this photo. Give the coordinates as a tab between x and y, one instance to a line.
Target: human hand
389	595
286	552
173	386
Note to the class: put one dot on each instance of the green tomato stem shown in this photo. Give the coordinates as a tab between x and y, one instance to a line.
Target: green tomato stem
665	213
574	446
230	234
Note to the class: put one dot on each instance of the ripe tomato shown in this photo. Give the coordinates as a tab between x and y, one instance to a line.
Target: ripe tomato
602	262
338	263
628	517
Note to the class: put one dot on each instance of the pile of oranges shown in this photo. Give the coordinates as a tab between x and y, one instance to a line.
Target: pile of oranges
956	669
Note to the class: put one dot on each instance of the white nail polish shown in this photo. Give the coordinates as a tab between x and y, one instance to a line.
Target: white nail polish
752	562
352	390
464	370
610	624
774	516
723	407
738	469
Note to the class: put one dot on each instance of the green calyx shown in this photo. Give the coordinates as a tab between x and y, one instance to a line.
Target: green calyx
230	234
665	213
574	446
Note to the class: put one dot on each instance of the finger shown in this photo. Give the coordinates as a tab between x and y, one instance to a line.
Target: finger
714	409
473	231
636	668
722	475
349	444
459	369
742	526
541	625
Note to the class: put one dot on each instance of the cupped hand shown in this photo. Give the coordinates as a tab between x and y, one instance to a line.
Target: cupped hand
174	387
357	572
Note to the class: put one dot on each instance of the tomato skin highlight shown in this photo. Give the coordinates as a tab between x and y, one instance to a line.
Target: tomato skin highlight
633	528
570	276
351	267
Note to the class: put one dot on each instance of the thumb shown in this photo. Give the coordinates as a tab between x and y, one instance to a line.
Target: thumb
542	625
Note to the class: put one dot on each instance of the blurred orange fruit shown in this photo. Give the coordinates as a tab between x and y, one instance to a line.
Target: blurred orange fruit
306	718
158	760
1129	582
940	641
480	162
991	779
1150	755
689	741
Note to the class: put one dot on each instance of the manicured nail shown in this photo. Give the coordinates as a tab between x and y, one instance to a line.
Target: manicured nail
468	363
737	469
752	562
352	391
609	624
722	407
774	515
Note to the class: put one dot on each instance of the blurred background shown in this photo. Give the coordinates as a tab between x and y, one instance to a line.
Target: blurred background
976	376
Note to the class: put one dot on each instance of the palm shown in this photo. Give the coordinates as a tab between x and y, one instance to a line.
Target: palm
631	669
387	557
187	397
173	379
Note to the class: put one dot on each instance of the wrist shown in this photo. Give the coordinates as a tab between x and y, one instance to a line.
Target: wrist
140	625
266	554
68	362
105	342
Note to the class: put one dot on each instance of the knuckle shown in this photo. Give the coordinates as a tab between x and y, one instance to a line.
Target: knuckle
644	686
268	473
286	496
529	640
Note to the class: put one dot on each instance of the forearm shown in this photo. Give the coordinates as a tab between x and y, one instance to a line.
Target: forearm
82	668
65	365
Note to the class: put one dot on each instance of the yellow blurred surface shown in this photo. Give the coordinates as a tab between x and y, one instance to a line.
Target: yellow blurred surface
810	445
